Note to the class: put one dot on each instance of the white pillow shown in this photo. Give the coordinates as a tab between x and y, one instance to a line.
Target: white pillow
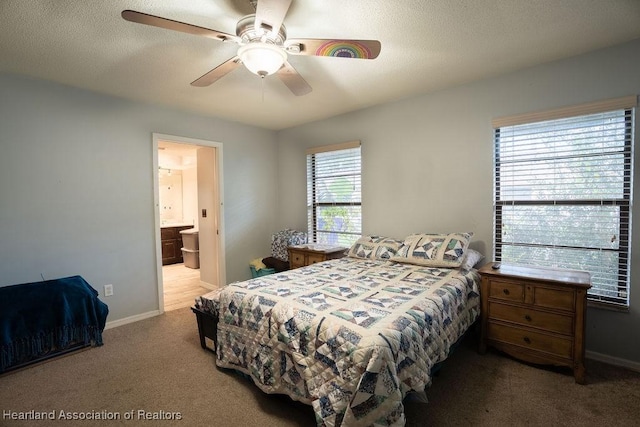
472	259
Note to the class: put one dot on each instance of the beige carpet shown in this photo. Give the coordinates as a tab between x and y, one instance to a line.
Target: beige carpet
156	367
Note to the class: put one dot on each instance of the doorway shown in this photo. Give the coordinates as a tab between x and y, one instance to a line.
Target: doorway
187	197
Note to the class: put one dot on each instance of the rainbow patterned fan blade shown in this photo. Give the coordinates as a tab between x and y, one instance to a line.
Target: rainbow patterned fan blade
357	49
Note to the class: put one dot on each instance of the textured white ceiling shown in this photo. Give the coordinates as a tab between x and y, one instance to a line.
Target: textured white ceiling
426	46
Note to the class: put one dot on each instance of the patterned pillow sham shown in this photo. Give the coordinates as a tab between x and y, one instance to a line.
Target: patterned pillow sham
434	250
374	247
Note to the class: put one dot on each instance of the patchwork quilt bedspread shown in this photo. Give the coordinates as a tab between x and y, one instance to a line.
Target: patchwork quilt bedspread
351	337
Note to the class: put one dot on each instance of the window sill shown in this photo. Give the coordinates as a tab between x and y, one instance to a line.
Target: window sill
608	306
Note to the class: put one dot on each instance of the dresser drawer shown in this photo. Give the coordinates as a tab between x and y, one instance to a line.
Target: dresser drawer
303	255
313	258
563	299
507	291
528	317
296	259
528	338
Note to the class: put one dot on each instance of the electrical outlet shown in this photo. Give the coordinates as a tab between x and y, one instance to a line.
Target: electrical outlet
108	290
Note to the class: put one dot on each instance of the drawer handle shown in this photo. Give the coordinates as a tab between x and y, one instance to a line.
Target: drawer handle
527	340
527	318
505	291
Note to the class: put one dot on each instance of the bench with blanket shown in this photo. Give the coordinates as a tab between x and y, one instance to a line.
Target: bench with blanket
45	319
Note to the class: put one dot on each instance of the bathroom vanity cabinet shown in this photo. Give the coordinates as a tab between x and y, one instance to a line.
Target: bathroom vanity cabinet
172	244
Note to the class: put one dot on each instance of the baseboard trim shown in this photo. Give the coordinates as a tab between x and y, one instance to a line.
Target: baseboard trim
132	319
611	360
208	286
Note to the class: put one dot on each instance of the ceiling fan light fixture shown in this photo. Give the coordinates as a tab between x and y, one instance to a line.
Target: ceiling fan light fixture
262	59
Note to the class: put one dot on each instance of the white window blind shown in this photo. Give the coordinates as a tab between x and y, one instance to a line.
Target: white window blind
563	196
334	188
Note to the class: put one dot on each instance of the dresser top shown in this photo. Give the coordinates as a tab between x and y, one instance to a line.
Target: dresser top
557	275
319	248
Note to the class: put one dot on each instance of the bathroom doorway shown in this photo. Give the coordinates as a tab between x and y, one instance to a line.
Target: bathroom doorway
189	230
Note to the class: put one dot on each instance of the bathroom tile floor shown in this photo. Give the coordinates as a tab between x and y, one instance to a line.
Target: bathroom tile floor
181	286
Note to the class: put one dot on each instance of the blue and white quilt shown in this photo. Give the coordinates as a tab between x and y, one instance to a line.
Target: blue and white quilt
351	337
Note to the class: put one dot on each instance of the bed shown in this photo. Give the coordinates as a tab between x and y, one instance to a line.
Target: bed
351	337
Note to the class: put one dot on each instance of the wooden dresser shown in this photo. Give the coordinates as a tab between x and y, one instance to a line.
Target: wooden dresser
302	255
536	314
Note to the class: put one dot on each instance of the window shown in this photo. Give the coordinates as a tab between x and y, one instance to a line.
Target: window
563	192
334	210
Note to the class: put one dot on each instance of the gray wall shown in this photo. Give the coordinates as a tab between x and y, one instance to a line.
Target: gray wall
427	161
76	189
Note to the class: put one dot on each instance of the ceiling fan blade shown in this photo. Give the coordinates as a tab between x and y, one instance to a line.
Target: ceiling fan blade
293	80
170	24
217	73
270	14
362	49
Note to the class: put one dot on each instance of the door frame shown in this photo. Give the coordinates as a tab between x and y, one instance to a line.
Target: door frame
156	206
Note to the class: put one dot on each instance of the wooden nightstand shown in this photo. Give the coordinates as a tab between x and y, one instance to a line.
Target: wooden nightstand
302	255
535	314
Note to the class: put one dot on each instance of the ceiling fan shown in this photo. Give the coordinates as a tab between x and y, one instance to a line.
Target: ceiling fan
264	45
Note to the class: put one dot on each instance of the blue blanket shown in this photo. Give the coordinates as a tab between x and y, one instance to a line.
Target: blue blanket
48	316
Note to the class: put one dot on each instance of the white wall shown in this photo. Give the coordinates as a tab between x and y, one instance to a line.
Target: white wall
208	199
76	189
427	161
190	196
170	197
